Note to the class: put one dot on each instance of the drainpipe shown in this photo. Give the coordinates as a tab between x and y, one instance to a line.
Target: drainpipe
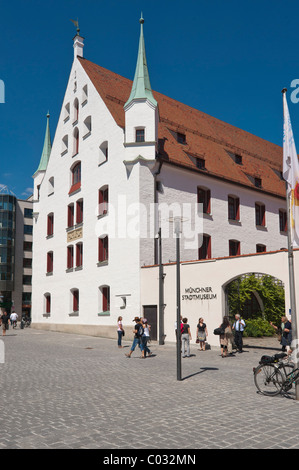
161	274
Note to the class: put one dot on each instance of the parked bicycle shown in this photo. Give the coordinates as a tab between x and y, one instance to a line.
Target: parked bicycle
275	375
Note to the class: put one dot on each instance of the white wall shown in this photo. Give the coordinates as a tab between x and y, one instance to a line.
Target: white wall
215	275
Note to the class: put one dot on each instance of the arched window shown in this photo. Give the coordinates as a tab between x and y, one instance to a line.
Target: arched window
75	300
50	262
84	95
87	127
75	177
76	110
103	200
103	253
50	224
103	153
75	141
104	299
47	303
64	145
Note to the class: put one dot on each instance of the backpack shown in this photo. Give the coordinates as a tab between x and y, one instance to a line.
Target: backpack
140	331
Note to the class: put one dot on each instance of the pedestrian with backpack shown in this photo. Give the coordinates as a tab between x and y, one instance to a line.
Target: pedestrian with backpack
138	333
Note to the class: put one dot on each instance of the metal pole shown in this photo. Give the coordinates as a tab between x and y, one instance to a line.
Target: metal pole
178	317
292	290
161	292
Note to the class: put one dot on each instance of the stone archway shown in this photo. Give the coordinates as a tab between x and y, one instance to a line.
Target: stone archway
254	295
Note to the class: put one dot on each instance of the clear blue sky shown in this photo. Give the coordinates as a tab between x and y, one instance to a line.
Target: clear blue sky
229	58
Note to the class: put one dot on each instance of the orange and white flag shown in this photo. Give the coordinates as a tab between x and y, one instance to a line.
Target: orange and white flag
291	172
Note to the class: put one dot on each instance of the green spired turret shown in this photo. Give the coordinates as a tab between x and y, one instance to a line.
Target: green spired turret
46	150
141	88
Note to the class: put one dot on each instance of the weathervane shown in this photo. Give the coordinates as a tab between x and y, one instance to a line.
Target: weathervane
76	23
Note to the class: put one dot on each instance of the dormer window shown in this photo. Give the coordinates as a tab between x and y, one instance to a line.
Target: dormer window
181	138
200	163
140	135
238	159
257	182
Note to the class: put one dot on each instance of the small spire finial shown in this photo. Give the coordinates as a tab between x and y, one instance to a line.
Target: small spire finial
284	90
141	21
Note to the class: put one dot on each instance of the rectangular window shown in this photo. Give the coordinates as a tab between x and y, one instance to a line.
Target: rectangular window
70	215
200	163
260	248
234	248
204	198
233	208
48	303
70	257
283	222
103	249
103	201
50	262
50	225
260	214
204	251
27	246
26	297
27	262
79	254
27	280
28	213
106	298
75	300
139	135
79	211
28	229
181	138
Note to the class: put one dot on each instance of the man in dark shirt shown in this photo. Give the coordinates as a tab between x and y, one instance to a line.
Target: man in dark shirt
138	332
4	323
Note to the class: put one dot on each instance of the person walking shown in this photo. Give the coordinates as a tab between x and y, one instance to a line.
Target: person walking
239	326
225	337
120	331
13	319
4	322
138	333
201	334
287	336
146	338
186	337
280	330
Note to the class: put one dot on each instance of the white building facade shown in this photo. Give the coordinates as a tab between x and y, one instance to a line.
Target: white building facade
120	153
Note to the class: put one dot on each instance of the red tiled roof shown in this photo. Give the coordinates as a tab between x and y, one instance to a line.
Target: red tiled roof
206	137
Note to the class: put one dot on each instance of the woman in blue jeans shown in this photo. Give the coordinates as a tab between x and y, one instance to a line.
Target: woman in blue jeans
145	339
119	331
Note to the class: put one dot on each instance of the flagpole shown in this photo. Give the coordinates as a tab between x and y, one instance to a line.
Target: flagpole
292	285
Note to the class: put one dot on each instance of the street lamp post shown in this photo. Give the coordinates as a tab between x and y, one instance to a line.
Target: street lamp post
177	230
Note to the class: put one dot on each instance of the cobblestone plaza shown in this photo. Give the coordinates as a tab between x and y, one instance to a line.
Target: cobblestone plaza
65	391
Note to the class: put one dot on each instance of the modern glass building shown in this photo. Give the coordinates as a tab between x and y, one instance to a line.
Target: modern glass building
8	204
16	226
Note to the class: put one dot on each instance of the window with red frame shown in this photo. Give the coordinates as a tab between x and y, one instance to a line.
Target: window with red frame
50	225
103	249
283	221
234	248
233	208
103	201
48	303
75	294
260	214
106	298
204	198
79	211
204	251
70	257
76	178
50	262
79	254
70	215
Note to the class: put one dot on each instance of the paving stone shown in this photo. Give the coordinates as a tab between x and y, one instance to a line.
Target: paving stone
61	395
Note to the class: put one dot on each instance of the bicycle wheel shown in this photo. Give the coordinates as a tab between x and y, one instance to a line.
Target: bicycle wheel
268	379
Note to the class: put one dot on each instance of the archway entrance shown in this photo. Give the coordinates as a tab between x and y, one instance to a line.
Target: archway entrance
255	296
